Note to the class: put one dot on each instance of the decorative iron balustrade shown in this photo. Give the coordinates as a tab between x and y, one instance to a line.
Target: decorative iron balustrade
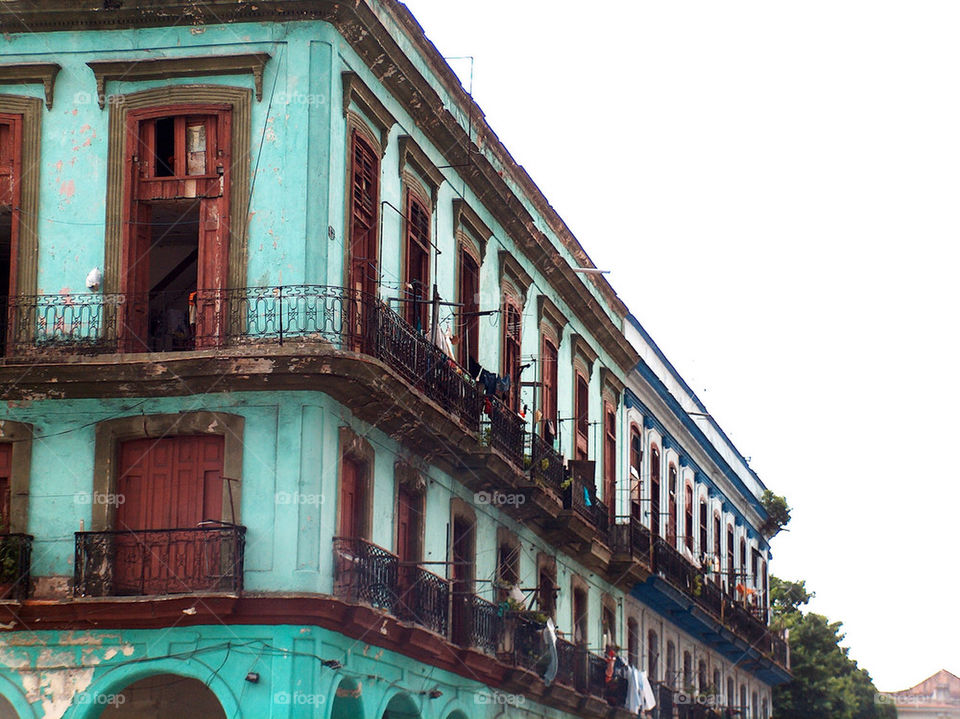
207	558
477	623
641	541
596	675
503	429
526	647
424	598
673	566
568	656
546	464
15	565
581	498
779	651
365	572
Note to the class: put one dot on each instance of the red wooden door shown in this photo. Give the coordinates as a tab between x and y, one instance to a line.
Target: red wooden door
468	329
351	498
11	142
6	455
362	273
168	485
408	540
179	154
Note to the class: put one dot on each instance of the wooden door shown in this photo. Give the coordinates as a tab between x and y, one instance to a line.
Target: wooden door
408	543
468	327
6	458
352	523
362	250
11	143
167	485
463	569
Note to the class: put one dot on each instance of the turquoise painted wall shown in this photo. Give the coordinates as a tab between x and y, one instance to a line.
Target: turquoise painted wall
75	675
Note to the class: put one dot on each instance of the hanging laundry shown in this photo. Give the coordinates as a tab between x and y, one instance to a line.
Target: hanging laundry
649	701
550	639
489	382
633	701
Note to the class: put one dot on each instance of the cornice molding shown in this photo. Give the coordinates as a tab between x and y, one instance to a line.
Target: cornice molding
580	348
549	312
412	155
160	68
511	270
464	217
609	379
355	91
31	73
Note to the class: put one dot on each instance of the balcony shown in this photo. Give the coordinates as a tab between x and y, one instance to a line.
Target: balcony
546	464
701	607
424	598
364	572
477	623
205	559
57	328
15	566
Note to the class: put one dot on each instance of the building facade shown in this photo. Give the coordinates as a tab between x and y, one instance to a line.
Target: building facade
936	697
309	411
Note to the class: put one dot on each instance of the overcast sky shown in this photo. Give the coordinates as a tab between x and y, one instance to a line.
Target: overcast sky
775	189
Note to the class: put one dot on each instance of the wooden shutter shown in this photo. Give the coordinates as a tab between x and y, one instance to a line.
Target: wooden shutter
364	210
418	262
170	483
351	498
582	414
688	517
6	467
468	327
511	352
654	491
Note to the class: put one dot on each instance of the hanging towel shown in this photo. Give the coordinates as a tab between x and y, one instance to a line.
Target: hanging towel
649	702
586	497
550	639
633	703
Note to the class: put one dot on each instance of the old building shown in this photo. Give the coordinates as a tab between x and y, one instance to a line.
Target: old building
937	697
309	408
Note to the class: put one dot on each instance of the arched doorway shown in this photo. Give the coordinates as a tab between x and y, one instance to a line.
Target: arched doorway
401	707
6	710
162	696
346	701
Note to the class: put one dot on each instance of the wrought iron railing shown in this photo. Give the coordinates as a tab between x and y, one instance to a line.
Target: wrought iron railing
673	566
526	648
15	565
581	498
207	558
44	326
424	598
567	653
546	463
596	675
477	623
365	572
502	429
779	651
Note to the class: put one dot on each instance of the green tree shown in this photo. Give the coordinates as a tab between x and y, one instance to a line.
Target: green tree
827	683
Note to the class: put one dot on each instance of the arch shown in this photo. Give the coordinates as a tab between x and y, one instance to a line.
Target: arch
399	705
116	680
162	696
15	700
347	700
454	709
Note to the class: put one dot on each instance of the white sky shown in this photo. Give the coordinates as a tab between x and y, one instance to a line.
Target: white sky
775	189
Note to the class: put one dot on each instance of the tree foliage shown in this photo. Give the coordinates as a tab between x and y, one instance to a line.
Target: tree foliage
778	513
827	683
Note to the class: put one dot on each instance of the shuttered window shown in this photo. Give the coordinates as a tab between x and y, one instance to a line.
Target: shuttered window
511	351
581	411
364	206
418	262
549	368
654	490
468	325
